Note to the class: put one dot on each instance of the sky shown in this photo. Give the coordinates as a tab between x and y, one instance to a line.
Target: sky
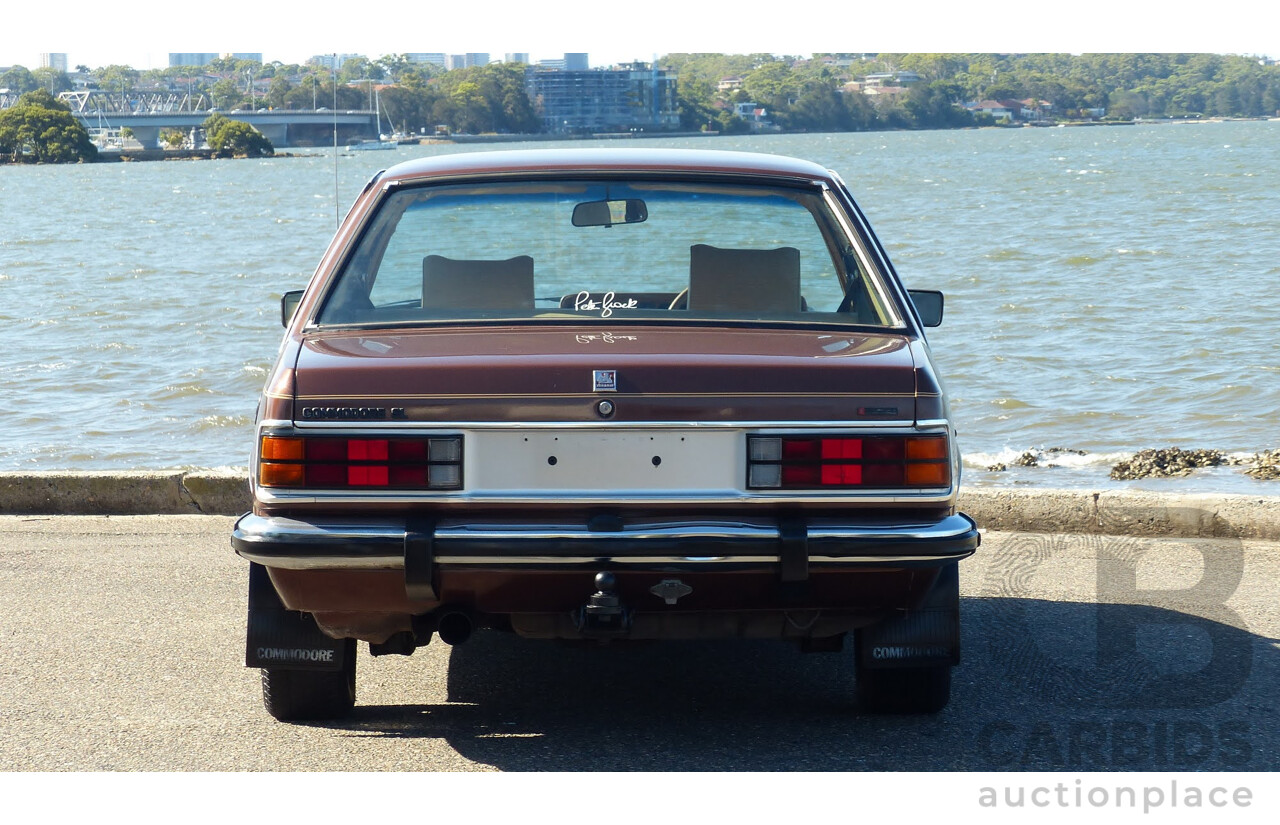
142	37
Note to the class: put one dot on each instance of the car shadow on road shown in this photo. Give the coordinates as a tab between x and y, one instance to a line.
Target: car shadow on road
1044	685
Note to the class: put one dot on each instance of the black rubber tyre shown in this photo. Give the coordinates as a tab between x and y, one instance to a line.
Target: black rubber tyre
311	695
904	690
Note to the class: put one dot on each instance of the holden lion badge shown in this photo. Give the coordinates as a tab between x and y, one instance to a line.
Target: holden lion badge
604	380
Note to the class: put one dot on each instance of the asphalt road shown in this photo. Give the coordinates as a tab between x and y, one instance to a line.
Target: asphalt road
124	649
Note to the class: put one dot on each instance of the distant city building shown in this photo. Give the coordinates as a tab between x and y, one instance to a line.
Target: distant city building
516	57
205	58
191	58
576	62
428	58
332	62
56	61
463	61
636	97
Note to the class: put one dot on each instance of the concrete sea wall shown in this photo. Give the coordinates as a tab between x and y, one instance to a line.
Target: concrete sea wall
1190	515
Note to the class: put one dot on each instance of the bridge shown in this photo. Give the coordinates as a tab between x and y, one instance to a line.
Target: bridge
148	115
283	127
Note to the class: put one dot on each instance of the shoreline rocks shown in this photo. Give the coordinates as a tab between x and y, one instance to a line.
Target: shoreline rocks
1164	463
1169	462
1266	465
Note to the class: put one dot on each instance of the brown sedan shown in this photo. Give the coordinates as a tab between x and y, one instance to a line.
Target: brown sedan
604	395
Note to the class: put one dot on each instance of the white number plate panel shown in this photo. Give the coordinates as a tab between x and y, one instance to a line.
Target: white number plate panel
603	463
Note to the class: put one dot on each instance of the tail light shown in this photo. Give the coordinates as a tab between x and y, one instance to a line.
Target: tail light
824	462
361	463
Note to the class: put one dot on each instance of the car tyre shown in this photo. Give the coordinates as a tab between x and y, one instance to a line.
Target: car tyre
311	695
904	690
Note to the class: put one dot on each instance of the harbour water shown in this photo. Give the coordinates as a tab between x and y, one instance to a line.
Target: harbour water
1108	290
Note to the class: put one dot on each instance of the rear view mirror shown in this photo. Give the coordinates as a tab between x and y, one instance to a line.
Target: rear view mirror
928	304
608	213
289	305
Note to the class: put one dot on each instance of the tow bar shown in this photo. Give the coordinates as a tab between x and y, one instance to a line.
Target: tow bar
603	616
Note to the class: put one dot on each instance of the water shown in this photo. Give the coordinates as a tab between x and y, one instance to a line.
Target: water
1108	290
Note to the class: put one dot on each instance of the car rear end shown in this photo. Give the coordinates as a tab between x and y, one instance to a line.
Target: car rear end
547	422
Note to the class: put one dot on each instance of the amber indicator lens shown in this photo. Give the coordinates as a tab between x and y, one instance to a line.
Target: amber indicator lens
281	475
824	462
282	449
362	463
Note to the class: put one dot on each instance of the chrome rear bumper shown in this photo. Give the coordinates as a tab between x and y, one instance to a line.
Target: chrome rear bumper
714	543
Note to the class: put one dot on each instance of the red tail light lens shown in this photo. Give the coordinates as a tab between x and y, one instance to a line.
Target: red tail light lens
433	463
825	462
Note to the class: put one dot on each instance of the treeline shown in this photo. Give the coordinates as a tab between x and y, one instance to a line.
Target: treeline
804	95
473	100
1126	85
812	94
809	94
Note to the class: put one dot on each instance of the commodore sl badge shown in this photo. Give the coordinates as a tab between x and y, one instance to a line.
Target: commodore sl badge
604	380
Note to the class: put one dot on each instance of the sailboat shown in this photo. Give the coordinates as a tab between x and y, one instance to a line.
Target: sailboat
373	145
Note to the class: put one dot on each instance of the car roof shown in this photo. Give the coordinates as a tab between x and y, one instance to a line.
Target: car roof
700	161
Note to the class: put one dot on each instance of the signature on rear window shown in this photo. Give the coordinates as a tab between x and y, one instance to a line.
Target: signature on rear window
605	337
584	303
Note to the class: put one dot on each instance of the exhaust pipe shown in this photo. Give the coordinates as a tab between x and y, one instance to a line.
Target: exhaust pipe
454	628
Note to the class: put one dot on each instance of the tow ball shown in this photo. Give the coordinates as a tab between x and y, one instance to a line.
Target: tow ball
603	616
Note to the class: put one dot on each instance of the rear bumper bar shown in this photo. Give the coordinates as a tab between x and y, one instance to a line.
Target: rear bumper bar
715	543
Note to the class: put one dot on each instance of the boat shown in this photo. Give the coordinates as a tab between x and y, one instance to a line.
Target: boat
382	142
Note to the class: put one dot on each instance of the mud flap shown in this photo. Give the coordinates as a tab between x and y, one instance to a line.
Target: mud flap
924	637
283	639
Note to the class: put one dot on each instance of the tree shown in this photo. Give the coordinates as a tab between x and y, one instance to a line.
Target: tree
774	84
933	106
819	109
19	79
52	80
227	94
213	123
490	98
235	138
173	138
359	68
233	65
393	65
41	129
278	92
117	80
